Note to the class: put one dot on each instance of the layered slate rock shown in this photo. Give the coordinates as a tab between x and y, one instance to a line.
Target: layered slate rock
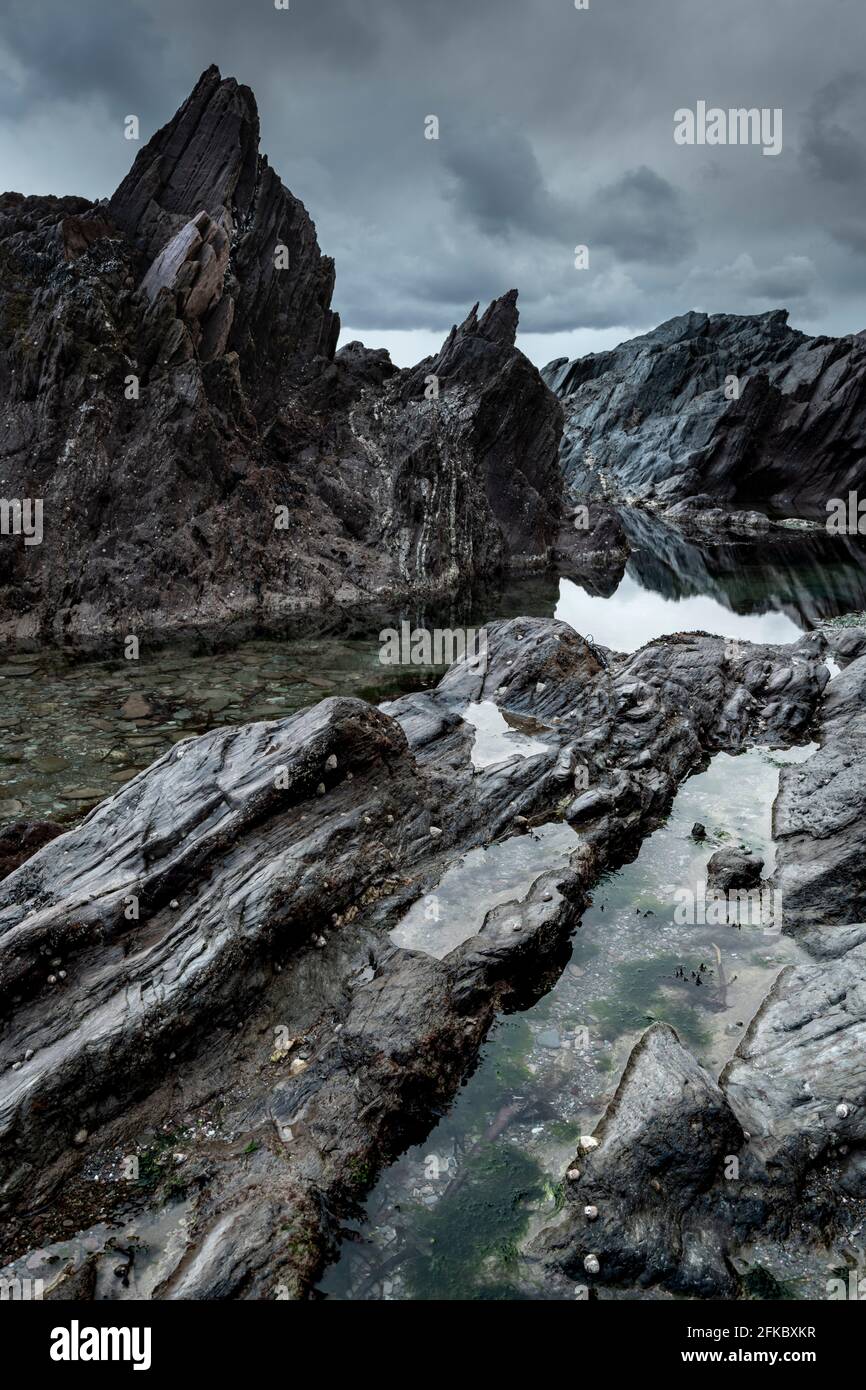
659	417
207	959
798	1079
173	395
794	1181
819	814
658	1153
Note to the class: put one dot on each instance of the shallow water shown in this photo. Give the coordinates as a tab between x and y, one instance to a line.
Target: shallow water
73	730
546	1075
450	1218
502	872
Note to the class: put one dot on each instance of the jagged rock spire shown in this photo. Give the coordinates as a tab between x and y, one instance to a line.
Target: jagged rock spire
206	157
273	306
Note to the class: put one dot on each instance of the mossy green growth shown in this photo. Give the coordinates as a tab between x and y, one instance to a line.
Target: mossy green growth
466	1247
643	996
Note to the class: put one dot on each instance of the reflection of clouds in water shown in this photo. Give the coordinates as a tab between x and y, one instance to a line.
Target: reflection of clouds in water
495	739
633	616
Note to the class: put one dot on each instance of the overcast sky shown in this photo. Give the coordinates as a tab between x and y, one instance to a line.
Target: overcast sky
555	129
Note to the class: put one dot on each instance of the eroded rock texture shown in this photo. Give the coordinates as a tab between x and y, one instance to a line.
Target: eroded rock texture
651	419
172	393
253	1013
775	1152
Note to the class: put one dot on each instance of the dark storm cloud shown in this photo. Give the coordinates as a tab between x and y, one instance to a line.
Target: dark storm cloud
556	129
498	186
642	218
69	52
830	148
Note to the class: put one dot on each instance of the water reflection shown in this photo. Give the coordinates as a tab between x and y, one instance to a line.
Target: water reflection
74	725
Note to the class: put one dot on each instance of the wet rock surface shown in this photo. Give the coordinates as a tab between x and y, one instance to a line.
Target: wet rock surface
639	1199
796	1084
658	417
734	868
253	1037
174	398
819	815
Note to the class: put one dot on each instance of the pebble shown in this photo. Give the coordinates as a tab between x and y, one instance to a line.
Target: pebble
331	763
136	707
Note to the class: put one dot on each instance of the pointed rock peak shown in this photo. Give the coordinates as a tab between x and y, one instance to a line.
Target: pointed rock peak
205	157
498	323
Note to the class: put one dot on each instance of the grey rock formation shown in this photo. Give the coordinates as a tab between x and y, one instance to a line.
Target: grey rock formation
659	417
734	868
173	396
794	1179
797	1081
819	814
661	1148
226	919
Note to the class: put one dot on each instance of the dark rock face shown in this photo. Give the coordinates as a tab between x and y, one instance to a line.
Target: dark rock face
207	159
807	1039
650	419
819	814
22	839
173	396
226	917
593	549
734	868
659	1150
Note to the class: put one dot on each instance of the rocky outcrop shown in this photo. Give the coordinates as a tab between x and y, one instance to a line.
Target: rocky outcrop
730	869
796	1081
819	814
741	408
778	1143
202	976
640	1205
173	397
